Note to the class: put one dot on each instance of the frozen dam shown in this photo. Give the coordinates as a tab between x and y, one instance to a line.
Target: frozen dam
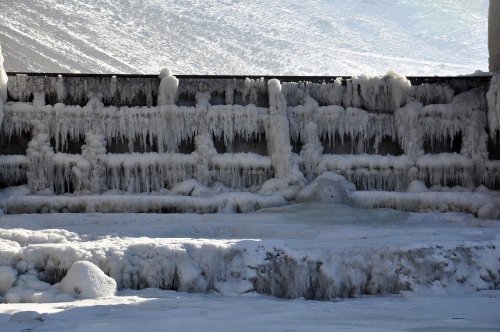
139	143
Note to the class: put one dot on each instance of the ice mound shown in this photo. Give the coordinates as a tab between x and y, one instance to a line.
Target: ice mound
328	187
87	281
7	278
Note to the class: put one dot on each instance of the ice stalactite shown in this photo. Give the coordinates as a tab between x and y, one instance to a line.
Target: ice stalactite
311	151
241	170
90	172
329	120
40	154
410	135
205	151
386	93
493	97
60	89
13	169
147	172
446	169
368	172
279	142
61	165
299	116
431	94
252	90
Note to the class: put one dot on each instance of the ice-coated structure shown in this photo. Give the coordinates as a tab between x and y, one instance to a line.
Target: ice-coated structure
85	136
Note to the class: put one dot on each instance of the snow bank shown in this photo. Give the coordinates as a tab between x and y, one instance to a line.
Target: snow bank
87	281
160	203
321	272
477	203
7	278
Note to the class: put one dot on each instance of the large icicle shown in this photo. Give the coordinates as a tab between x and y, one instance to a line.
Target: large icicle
90	172
40	154
379	93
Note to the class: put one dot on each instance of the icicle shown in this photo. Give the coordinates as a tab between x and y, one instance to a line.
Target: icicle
60	89
167	94
147	172
205	151
252	89
410	134
112	86
443	168
241	170
39	99
431	94
380	93
371	172
40	154
13	169
311	152
90	173
493	97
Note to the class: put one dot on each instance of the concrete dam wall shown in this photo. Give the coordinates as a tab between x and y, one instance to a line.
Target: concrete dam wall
90	135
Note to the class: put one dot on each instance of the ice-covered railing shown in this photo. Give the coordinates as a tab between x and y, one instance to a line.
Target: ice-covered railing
136	133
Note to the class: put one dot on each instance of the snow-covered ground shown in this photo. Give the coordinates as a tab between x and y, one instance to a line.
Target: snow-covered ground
430	271
334	37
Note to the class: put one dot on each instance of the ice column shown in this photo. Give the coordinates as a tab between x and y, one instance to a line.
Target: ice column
493	97
277	131
167	94
3	79
40	155
3	86
60	89
204	144
90	172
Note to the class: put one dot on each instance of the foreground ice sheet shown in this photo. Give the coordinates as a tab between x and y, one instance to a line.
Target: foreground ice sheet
441	267
153	310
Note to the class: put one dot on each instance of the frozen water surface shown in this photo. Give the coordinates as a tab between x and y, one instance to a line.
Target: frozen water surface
445	37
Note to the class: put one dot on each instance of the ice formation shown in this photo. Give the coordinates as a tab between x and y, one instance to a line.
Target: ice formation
35	269
86	280
3	82
493	97
105	136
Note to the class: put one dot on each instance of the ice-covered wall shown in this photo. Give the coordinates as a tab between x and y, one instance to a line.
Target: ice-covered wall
90	135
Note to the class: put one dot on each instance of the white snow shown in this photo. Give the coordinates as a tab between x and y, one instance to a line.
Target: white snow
334	37
87	281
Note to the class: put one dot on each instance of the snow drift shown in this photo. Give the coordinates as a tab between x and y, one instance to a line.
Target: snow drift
35	270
